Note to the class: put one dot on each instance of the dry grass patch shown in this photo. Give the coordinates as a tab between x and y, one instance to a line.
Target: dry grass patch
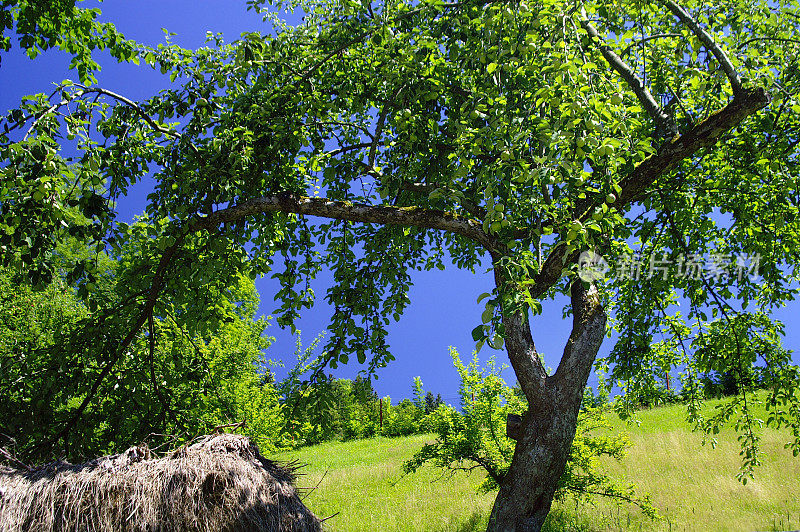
220	483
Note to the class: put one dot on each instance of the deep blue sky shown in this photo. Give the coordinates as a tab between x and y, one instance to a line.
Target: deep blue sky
443	307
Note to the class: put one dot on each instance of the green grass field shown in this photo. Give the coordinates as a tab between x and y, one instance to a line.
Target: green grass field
693	486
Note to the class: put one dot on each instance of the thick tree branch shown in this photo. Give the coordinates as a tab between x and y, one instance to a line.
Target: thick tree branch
662	119
354	212
589	318
521	349
635	184
708	42
421	188
702	135
551	269
588	331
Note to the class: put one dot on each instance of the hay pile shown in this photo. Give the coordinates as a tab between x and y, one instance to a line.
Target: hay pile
220	483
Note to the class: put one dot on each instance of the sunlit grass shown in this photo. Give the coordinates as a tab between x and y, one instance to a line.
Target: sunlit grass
693	486
363	482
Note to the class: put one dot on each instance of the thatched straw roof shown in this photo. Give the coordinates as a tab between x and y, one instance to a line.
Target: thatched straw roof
220	483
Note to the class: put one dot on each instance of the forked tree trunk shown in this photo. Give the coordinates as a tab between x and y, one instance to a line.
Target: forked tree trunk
548	427
527	491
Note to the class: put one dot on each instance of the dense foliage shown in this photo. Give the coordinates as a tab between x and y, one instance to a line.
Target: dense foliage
181	385
41	25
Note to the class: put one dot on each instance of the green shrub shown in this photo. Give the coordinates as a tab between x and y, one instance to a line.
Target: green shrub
182	384
401	419
476	437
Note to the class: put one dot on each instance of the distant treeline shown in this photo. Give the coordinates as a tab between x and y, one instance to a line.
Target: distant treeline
656	392
344	409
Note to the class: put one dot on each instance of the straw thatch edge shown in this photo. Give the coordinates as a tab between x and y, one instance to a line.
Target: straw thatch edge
218	483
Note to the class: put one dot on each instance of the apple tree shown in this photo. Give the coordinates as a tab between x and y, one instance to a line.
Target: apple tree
373	139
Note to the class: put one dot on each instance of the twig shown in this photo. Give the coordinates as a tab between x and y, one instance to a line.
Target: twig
650	38
664	121
345	149
329	517
11	458
774	39
234	426
311	490
708	42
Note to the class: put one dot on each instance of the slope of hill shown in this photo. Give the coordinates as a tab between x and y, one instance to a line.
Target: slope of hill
694	486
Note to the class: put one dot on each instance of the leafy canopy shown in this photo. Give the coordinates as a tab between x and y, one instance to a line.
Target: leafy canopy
61	24
521	132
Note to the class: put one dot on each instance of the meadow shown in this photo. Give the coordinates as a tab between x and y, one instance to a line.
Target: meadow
694	486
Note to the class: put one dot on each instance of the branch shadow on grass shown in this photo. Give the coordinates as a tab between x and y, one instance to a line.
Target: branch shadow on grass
473	523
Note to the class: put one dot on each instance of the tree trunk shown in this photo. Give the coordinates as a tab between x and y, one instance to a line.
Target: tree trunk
548	427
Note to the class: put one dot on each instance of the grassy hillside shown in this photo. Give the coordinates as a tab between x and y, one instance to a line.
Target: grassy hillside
694	486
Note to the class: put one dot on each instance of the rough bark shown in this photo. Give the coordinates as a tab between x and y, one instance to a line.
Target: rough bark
548	427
